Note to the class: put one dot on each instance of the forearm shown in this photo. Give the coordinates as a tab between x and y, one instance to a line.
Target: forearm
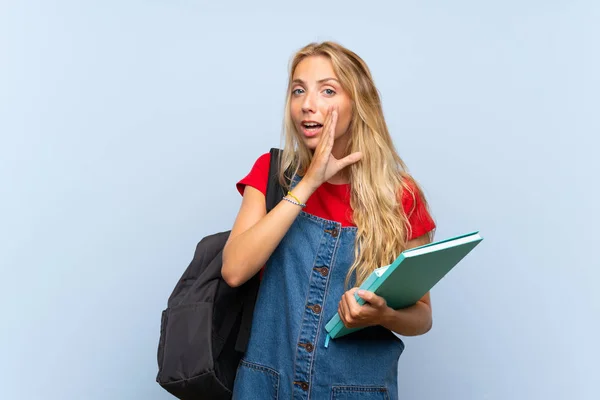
245	254
411	321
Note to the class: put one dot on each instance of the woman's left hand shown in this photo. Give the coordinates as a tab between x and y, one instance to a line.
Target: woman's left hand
354	315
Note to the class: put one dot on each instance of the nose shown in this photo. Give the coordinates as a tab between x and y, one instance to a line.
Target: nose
309	104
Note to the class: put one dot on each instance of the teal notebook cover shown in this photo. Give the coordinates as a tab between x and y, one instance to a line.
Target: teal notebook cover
411	275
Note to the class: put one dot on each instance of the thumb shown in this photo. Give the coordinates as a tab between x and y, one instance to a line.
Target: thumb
350	159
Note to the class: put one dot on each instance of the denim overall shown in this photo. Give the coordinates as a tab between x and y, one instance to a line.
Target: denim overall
301	287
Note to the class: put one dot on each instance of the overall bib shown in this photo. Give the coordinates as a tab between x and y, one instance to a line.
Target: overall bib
302	285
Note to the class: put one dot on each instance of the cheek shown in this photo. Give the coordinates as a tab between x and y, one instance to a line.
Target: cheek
296	113
344	119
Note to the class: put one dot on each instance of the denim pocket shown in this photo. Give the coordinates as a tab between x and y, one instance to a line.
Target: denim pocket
255	382
359	393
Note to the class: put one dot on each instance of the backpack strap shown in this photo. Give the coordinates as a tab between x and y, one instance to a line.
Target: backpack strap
275	193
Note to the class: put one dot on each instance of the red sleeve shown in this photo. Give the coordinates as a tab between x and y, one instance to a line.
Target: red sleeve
258	175
419	218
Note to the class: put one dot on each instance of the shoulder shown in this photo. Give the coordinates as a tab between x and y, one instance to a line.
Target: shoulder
258	175
263	161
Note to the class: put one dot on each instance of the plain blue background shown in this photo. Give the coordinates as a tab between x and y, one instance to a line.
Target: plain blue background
125	125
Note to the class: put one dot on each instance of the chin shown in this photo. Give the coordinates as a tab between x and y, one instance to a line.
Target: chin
311	143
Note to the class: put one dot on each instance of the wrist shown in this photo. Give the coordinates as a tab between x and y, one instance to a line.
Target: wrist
388	317
303	190
310	181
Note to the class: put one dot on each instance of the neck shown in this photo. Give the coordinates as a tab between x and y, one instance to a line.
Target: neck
341	178
339	147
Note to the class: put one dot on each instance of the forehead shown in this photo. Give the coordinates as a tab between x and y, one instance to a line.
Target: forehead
314	68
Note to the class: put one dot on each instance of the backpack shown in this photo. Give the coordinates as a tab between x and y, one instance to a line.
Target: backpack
204	330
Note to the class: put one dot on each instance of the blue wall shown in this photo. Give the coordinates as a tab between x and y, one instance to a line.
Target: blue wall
125	124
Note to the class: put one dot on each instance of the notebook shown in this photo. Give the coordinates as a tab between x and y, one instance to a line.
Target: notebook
414	272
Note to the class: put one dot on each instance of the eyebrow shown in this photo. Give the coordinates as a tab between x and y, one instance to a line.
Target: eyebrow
319	81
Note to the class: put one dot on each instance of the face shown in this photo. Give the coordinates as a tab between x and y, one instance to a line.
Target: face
315	87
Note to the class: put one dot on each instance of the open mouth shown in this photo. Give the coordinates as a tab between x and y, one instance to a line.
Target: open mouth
311	127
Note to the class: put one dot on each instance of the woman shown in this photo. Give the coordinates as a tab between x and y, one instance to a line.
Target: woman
351	207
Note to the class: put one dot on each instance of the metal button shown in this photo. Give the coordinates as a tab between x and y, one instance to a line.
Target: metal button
308	346
303	385
324	271
316	308
333	232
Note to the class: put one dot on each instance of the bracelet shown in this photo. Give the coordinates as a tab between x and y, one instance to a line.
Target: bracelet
294	197
293	202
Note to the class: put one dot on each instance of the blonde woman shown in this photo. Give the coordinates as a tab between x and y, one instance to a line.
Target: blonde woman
351	207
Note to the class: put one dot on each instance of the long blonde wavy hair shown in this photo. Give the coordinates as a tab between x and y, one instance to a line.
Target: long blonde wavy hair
377	181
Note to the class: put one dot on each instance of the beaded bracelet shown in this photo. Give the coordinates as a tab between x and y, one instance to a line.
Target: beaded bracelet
293	202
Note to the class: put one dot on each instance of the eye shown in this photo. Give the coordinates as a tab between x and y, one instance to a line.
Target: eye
297	91
329	92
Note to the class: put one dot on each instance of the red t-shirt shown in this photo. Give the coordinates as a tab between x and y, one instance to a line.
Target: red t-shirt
332	202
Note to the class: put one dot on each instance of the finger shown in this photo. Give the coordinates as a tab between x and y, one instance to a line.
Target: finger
330	133
349	295
372	298
327	119
330	120
368	296
354	309
323	140
350	159
333	123
346	310
341	312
